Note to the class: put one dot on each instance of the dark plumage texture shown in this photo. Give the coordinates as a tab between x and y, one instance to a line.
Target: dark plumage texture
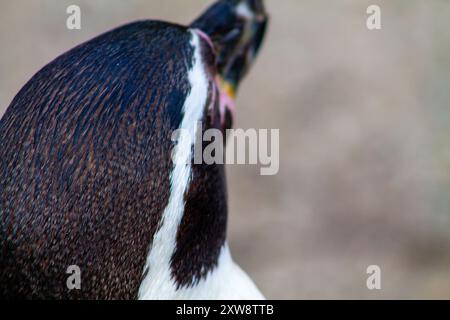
85	162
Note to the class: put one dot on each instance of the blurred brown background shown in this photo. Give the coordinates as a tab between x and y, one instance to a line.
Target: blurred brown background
364	137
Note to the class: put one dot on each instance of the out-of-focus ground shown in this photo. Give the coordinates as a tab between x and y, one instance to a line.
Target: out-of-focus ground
364	137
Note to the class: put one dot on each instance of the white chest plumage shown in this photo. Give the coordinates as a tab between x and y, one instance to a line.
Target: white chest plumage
226	282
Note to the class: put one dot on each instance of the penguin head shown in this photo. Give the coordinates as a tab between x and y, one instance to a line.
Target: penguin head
236	29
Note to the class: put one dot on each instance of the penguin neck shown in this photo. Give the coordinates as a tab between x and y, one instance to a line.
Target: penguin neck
189	257
192	229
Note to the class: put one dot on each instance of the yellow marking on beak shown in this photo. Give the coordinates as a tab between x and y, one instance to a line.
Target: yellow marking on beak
227	88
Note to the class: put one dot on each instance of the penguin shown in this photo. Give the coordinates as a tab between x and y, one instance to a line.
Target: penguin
87	171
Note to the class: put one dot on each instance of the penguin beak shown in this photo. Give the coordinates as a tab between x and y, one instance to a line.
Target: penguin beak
236	29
